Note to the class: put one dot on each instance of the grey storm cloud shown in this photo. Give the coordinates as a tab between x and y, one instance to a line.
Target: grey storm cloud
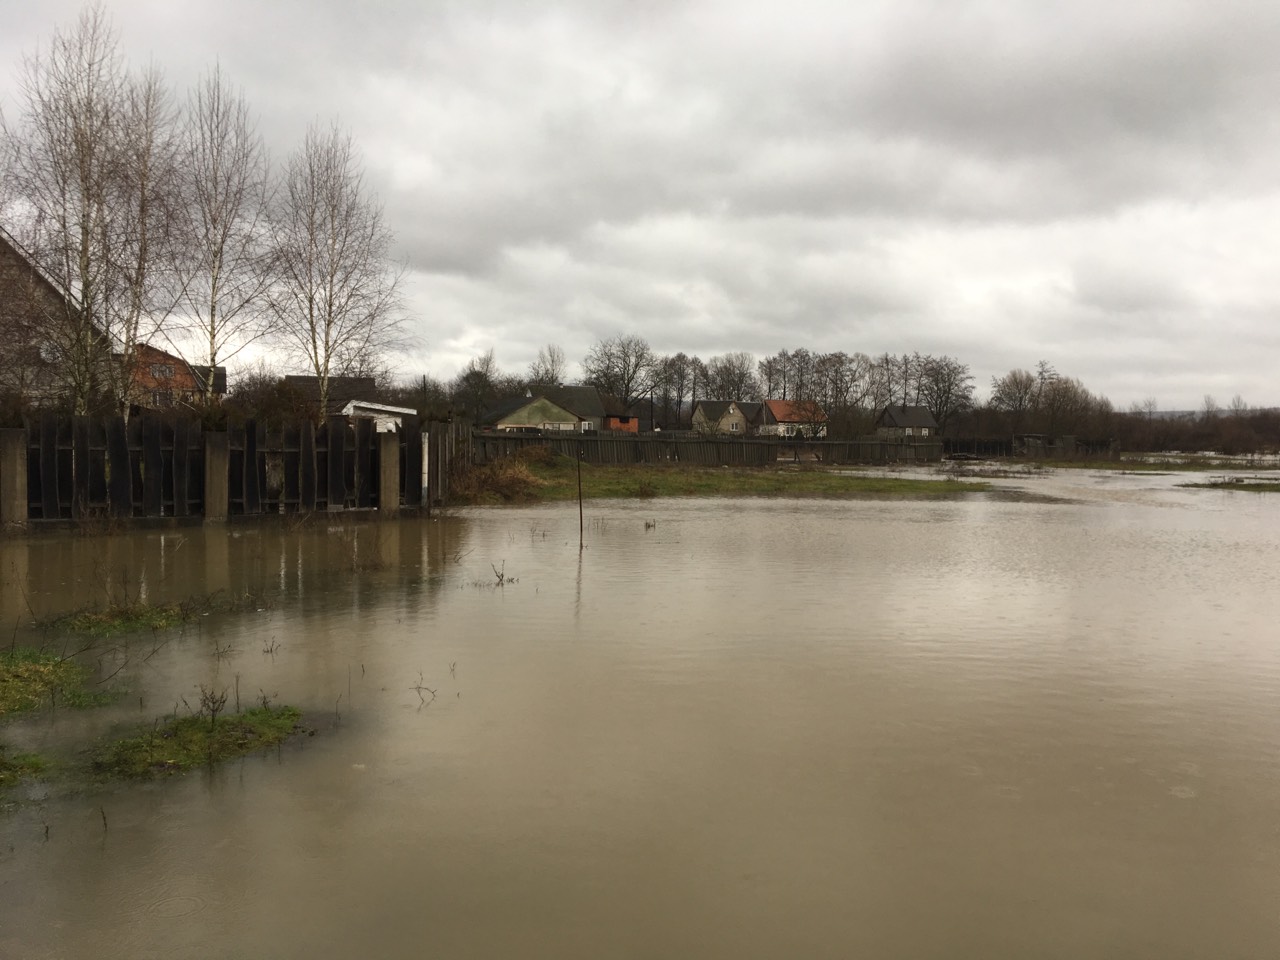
1003	181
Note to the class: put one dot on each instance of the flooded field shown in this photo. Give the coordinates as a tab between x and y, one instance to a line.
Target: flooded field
1038	722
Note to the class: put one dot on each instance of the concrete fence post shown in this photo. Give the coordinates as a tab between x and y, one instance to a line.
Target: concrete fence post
389	474
13	477
217	458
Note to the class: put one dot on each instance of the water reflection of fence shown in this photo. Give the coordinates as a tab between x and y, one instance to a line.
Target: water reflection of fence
79	468
708	451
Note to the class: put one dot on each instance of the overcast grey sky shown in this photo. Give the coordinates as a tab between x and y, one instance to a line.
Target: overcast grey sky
1094	184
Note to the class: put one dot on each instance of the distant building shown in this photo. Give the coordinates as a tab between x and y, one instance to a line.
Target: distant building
734	418
794	418
901	420
531	414
598	411
159	380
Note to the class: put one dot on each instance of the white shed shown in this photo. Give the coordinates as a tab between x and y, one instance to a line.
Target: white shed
386	418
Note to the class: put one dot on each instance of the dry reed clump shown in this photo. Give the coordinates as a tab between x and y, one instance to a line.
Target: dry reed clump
508	480
541	456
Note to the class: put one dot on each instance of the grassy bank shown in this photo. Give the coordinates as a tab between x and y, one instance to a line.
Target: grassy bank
123	618
538	475
181	743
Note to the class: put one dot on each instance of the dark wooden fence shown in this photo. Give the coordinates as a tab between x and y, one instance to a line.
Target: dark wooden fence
707	452
79	468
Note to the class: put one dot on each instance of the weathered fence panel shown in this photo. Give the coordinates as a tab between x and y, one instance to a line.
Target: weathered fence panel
63	468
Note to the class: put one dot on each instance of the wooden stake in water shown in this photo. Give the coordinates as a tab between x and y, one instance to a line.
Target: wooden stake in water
581	451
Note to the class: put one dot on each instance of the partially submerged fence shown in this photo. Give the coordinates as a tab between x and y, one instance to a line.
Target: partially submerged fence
706	451
79	468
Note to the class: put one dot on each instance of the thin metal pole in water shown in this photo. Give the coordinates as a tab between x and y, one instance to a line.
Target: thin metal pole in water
581	453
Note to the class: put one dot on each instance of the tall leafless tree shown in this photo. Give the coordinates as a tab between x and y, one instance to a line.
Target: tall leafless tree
91	182
226	269
623	366
1014	394
732	377
549	368
335	299
64	173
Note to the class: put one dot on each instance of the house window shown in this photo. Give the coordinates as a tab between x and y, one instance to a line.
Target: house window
907	431
162	371
924	431
162	398
733	427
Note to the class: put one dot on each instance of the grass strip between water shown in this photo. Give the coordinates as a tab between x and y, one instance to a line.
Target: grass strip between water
537	475
1244	486
182	743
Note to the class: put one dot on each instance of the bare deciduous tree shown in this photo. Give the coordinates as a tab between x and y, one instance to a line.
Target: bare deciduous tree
335	297
224	197
732	377
91	179
1014	394
946	387
550	367
623	366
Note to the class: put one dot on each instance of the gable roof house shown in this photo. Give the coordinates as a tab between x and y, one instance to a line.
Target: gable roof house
597	410
159	379
529	415
32	305
902	420
736	418
792	418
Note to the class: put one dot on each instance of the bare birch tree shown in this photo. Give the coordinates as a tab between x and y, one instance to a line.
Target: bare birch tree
143	253
224	196
335	298
62	169
90	173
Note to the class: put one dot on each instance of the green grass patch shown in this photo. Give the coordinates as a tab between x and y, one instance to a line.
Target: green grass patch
20	766
1243	485
30	679
124	618
532	479
181	743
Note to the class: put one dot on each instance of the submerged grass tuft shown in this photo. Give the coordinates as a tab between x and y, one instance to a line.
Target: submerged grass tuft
30	679
181	743
125	618
20	766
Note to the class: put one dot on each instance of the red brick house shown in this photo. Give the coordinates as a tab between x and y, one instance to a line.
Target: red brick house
160	380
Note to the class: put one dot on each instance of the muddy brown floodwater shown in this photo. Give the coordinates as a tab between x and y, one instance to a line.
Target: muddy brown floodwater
1038	722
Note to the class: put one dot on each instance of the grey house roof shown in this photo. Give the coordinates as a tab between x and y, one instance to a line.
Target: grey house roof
342	390
584	401
906	416
714	410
